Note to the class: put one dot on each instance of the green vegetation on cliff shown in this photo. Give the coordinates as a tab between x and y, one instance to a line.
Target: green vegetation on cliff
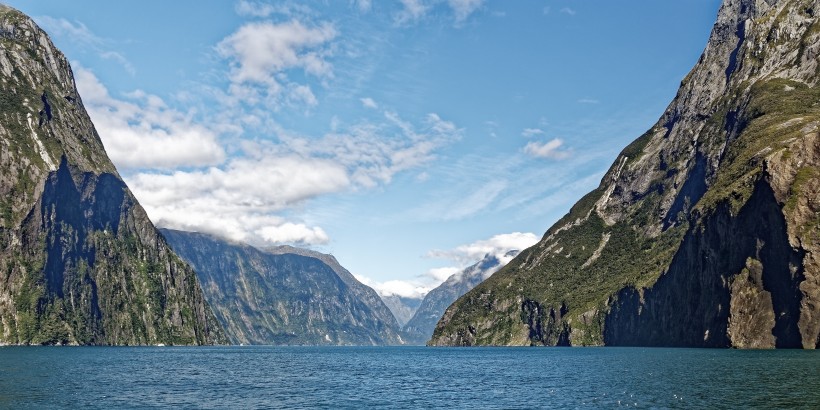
658	254
80	263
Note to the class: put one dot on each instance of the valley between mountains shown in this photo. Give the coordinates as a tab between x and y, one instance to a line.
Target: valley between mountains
704	232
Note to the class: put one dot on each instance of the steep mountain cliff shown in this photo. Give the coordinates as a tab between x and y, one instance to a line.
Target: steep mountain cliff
80	263
705	231
285	295
403	308
420	327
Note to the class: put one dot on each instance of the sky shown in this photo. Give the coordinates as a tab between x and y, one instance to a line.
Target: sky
408	138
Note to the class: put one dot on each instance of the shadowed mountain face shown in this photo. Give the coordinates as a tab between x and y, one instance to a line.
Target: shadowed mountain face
420	327
285	295
706	229
80	263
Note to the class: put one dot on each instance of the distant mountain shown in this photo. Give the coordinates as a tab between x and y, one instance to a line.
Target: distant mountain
402	308
420	327
81	262
284	295
705	231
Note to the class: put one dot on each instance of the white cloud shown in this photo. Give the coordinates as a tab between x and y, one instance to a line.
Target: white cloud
463	8
363	5
498	246
476	201
113	55
261	54
368	102
254	9
532	132
290	233
142	132
302	94
413	10
550	149
248	8
568	11
242	197
402	288
441	274
76	31
588	101
79	33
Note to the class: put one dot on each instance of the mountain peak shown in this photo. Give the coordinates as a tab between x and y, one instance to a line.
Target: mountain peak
719	191
83	263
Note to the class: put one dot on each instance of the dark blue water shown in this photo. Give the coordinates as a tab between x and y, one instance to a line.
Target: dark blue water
405	377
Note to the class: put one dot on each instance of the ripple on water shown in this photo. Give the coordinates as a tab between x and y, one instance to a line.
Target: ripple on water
405	377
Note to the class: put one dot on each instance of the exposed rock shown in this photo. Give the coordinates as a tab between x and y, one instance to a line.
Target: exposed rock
284	295
420	327
712	216
80	263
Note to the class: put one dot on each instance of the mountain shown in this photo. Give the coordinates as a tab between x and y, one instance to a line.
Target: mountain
284	295
420	327
706	229
402	308
80	262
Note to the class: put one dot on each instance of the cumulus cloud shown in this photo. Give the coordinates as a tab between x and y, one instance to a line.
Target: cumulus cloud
290	233
241	198
368	102
141	131
441	274
401	288
363	5
498	246
412	11
247	8
550	149
261	54
532	132
464	256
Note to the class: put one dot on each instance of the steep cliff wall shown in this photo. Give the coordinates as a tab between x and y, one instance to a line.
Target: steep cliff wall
282	298
705	230
80	263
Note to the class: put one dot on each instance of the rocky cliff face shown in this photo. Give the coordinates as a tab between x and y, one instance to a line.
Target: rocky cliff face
80	263
285	295
706	229
420	327
403	308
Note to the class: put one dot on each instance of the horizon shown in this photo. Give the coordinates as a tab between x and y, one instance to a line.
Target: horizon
376	128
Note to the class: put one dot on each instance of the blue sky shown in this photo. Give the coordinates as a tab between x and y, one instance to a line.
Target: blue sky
407	138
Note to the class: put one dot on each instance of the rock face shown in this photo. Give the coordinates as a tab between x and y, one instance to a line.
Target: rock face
80	261
705	231
420	327
284	295
402	308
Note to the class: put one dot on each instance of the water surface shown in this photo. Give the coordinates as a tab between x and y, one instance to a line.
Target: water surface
405	377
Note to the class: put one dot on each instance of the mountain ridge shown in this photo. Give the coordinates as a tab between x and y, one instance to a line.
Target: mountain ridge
80	261
649	257
284	295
